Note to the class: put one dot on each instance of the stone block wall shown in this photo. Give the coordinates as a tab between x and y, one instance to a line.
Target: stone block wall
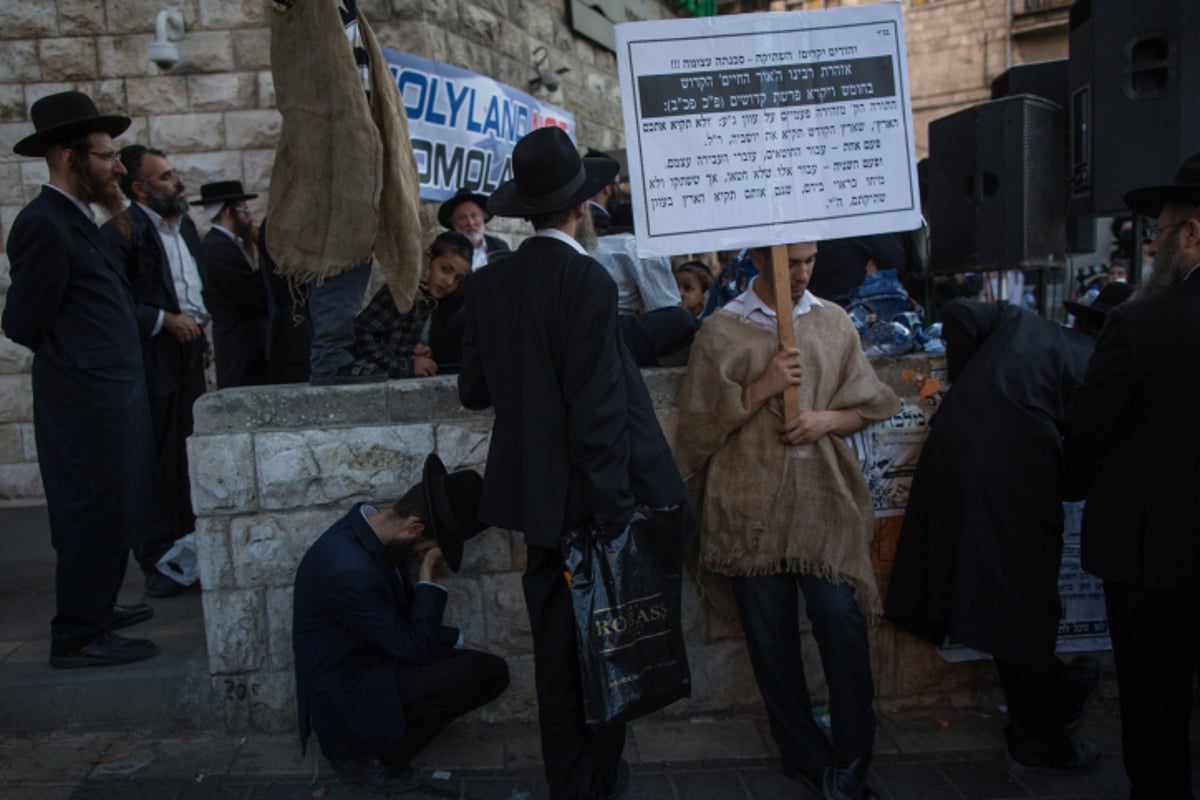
273	467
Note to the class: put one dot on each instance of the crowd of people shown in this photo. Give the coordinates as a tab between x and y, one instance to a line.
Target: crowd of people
1037	413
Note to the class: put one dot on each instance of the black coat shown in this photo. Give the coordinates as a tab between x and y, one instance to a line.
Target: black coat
575	435
70	304
979	553
354	618
236	296
1133	447
140	250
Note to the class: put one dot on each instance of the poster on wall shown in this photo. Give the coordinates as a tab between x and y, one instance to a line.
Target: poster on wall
758	129
463	125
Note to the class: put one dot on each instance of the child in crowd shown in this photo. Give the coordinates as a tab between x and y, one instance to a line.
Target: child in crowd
398	344
693	279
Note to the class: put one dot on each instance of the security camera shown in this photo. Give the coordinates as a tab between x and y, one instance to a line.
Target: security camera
168	29
165	55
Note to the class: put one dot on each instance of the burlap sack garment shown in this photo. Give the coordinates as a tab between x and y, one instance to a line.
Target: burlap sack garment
344	186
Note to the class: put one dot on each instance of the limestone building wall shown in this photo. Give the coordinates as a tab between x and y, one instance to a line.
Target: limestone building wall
216	118
273	467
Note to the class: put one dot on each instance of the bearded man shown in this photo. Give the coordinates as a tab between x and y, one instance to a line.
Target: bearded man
160	252
1139	531
236	292
70	304
466	212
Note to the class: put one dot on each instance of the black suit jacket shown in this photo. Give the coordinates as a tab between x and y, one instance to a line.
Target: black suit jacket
575	435
236	296
140	251
354	618
1133	448
70	304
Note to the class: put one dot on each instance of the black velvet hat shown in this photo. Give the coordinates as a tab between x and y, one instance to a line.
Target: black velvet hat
60	117
453	503
462	196
1149	200
1109	298
222	192
549	176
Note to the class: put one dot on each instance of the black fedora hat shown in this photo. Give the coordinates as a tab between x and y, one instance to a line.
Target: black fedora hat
453	503
222	192
1149	200
549	176
461	196
1109	298
60	117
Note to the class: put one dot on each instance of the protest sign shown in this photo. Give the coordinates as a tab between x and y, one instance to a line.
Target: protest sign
463	125
760	129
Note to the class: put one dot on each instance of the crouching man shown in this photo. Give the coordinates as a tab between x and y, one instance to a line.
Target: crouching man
378	675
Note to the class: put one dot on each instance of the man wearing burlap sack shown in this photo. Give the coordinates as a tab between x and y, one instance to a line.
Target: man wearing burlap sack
344	186
785	509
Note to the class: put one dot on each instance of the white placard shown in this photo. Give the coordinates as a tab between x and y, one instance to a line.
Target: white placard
760	129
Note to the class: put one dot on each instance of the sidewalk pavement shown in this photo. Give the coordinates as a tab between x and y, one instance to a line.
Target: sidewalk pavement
150	730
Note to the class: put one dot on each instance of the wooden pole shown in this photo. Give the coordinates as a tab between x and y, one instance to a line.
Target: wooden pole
783	316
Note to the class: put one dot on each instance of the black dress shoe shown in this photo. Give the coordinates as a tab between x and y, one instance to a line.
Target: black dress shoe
159	586
374	775
849	781
124	616
106	651
1071	754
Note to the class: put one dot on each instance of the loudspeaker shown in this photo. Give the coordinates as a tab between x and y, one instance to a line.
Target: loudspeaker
1133	111
997	186
1048	79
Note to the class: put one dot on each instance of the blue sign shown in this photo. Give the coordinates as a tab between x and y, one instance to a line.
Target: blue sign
463	125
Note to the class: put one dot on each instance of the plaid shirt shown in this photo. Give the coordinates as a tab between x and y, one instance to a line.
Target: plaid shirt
384	338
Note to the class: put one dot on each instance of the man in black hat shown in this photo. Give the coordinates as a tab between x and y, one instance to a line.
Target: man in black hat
1131	451
159	249
466	212
235	292
70	304
575	436
378	674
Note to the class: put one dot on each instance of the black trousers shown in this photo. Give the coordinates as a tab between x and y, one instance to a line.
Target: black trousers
1156	645
171	418
581	762
85	589
769	608
440	692
1038	698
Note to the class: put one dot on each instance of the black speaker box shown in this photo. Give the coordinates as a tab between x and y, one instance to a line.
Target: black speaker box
997	186
1048	79
1134	108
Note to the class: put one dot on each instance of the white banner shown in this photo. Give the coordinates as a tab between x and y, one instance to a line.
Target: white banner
463	125
760	129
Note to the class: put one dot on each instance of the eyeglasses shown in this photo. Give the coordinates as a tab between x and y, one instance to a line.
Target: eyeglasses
107	158
1152	232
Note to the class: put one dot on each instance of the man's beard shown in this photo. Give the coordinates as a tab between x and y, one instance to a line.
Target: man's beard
243	227
104	190
166	206
585	232
1170	266
475	238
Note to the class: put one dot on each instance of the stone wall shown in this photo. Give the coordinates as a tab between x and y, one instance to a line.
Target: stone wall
273	467
216	118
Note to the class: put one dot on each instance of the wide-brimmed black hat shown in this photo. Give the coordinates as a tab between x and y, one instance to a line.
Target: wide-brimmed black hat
1149	200
453	503
222	192
462	196
60	117
1109	298
549	176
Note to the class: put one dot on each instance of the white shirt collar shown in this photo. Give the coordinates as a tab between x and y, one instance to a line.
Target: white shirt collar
555	233
752	303
82	206
157	219
227	232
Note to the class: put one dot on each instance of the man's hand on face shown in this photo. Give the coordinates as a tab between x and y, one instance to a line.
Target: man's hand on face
180	326
429	562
